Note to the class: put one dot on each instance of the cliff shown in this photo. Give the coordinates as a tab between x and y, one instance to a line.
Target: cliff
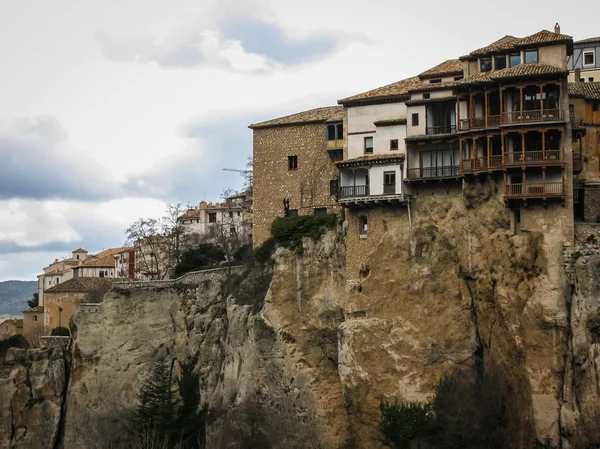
293	356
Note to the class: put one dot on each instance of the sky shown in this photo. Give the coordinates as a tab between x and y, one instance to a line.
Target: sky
111	109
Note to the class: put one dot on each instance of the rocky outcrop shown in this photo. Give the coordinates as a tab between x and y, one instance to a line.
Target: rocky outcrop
32	390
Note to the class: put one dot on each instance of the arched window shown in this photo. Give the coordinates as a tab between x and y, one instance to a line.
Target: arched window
363	225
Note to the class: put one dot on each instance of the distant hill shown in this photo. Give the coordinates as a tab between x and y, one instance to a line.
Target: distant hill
14	296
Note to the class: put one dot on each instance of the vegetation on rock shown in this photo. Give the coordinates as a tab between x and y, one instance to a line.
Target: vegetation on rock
202	256
60	331
289	231
15	341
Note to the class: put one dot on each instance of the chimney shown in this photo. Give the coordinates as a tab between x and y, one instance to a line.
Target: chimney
557	28
577	75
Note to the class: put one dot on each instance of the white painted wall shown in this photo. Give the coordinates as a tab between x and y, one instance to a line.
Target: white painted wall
361	118
376	178
385	134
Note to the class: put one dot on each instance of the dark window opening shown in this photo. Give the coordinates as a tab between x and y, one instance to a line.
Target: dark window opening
595	107
232	230
514	59
335	132
485	64
588	58
591	79
292	213
426	96
500	62
363	225
212	217
435	81
333	187
320	211
77	256
394	144
230	214
292	162
415	119
368	145
459	77
531	56
34	317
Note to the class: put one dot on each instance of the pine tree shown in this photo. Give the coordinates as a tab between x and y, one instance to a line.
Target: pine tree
157	405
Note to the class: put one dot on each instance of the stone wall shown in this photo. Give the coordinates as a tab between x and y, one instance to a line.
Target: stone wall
307	187
53	342
192	278
591	202
68	302
89	308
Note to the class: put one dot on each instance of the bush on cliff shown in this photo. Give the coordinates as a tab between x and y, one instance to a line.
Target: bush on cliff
14	341
467	412
202	256
60	331
289	231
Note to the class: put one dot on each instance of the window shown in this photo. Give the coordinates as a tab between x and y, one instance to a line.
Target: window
582	80
588	58
500	62
101	274
459	77
368	145
77	256
531	56
435	81
335	132
415	119
394	144
320	211
34	317
595	107
230	214
212	217
591	79
514	59
485	64
239	213
292	213
426	96
333	187
363	226
292	162
232	230
389	182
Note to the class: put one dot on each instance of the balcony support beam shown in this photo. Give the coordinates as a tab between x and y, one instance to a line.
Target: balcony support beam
487	104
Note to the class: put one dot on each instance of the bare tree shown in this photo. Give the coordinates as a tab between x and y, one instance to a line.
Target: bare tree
145	235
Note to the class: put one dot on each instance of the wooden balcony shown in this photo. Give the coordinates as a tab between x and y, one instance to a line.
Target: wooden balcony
360	196
535	190
540	115
482	164
433	173
353	191
444	129
534	158
479	122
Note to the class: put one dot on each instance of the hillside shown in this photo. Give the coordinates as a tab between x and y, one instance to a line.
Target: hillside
14	296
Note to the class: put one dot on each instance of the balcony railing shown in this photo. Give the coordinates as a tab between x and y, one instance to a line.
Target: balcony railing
444	129
535	190
350	191
446	171
389	189
540	115
482	163
534	157
478	122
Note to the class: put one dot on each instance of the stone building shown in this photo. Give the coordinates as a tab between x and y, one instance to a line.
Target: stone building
293	161
59	271
10	327
100	265
584	105
33	325
62	300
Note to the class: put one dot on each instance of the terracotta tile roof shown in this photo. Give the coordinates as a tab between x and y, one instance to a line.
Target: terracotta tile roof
422	137
446	68
395	90
391	122
83	284
507	43
522	71
371	159
318	115
80	250
191	213
103	259
428	87
38	309
588	91
589	40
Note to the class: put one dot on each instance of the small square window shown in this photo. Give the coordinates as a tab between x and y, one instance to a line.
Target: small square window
595	107
435	81
591	79
485	64
212	217
588	58
232	230
500	62
514	59
34	317
368	145
230	214
320	211
582	80
292	162
426	96
531	56
415	119
394	144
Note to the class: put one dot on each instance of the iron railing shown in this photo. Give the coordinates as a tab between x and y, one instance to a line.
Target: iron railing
445	171
348	191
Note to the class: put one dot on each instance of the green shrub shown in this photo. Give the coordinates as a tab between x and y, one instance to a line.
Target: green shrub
60	332
14	341
243	254
264	252
289	231
404	423
203	255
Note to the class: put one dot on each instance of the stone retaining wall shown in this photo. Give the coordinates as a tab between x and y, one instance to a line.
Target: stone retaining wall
89	307
50	342
192	278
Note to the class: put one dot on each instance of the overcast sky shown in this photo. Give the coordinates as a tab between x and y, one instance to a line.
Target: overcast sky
111	109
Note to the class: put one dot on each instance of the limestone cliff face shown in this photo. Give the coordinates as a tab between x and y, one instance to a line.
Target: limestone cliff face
32	389
296	357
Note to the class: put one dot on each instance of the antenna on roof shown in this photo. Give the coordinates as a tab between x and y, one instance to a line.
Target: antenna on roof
557	28
237	170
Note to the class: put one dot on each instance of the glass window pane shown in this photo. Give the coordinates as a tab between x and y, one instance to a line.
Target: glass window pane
515	60
500	62
486	64
531	56
331	132
340	131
